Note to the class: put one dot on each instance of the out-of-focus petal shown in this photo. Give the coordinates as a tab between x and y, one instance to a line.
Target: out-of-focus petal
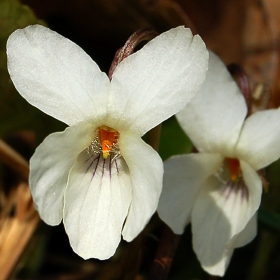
146	171
241	239
97	199
254	185
259	142
158	80
50	166
183	177
214	118
246	235
220	267
220	212
55	75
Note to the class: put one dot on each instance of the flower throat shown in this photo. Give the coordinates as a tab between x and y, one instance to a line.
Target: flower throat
105	142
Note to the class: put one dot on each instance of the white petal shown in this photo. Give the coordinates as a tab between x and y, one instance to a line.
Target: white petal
241	239
146	171
214	118
50	166
259	142
55	75
220	267
159	80
220	213
246	235
183	176
254	185
97	199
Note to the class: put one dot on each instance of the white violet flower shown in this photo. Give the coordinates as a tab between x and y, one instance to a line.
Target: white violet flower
98	175
218	189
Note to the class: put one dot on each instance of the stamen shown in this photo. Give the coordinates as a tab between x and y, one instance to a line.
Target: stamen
231	180
234	169
105	142
108	138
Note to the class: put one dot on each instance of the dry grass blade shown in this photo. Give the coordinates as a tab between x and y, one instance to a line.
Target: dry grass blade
18	217
14	160
16	231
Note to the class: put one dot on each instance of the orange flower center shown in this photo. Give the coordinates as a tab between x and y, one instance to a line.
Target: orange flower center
108	137
234	168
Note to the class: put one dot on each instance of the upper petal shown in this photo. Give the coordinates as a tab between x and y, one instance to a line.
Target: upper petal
220	213
146	171
55	75
50	166
214	118
97	199
158	80
259	142
183	177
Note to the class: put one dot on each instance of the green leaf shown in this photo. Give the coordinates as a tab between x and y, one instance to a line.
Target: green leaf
173	140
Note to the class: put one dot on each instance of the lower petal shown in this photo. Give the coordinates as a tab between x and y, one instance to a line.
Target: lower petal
219	267
146	171
183	177
246	235
50	166
239	240
220	213
97	199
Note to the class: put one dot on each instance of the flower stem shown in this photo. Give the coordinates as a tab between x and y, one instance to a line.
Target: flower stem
153	137
243	81
137	37
164	255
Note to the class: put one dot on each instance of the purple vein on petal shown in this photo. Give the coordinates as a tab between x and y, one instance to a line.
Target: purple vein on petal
103	166
87	159
97	158
117	166
227	189
239	188
91	162
245	192
110	168
89	165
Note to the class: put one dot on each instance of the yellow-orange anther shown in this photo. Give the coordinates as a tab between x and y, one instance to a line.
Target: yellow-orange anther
107	137
234	168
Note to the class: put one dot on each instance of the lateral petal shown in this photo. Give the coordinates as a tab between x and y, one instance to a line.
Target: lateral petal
146	171
55	75
97	199
183	177
214	118
158	80
259	142
50	166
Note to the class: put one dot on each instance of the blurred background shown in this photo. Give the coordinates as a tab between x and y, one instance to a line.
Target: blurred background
240	31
